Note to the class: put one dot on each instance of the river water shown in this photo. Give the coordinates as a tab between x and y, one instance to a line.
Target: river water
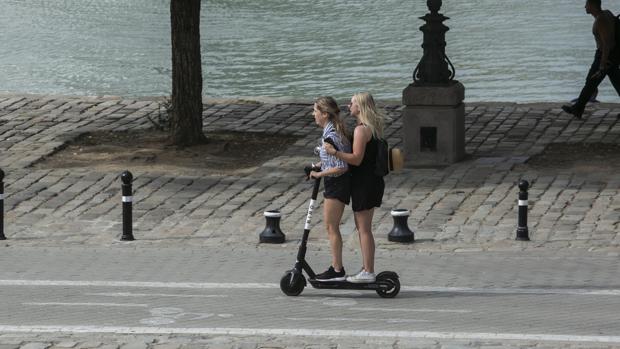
503	50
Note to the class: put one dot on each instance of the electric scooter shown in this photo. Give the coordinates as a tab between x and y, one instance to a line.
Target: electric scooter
293	282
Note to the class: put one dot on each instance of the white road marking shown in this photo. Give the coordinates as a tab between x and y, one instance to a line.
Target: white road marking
208	285
169	315
354	319
89	304
312	332
143	284
521	290
130	294
421	310
158	321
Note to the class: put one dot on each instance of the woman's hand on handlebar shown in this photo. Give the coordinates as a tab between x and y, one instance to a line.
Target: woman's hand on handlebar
329	172
315	174
312	170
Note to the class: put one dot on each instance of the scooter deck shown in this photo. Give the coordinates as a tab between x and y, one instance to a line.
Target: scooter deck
347	285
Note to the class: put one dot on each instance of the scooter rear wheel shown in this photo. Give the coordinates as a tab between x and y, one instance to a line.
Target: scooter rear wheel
393	287
292	283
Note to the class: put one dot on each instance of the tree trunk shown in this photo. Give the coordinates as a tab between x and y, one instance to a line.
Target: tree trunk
186	112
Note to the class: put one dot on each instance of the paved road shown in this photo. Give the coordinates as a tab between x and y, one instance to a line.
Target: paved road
511	298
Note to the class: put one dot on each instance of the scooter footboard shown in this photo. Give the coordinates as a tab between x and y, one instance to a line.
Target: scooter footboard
344	285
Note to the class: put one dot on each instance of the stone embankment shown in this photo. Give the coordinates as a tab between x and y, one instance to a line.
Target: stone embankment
471	205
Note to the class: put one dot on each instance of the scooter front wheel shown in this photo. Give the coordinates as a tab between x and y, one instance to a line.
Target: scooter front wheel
391	283
292	283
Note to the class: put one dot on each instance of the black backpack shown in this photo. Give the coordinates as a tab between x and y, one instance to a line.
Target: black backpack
614	55
382	165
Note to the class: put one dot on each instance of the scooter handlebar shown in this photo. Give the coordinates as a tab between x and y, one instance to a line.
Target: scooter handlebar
309	169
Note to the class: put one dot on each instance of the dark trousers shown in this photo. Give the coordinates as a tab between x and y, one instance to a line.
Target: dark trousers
592	83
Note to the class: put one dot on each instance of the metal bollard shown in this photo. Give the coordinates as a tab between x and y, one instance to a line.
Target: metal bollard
522	231
272	233
2	237
127	178
400	232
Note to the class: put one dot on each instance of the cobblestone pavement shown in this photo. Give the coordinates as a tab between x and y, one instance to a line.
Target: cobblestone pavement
469	205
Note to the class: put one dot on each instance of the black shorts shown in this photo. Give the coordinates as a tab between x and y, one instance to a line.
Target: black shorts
338	188
366	192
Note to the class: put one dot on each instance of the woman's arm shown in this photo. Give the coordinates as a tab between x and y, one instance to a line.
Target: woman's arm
361	136
328	172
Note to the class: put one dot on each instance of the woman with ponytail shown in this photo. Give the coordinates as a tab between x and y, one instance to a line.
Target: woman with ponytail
337	181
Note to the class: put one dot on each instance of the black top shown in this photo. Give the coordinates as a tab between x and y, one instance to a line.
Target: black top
366	187
367	166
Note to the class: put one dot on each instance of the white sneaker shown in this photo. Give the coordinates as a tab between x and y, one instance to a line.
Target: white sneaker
362	277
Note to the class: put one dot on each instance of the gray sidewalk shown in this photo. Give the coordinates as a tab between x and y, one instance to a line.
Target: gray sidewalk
470	205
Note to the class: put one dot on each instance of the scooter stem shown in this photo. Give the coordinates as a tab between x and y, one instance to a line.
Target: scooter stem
301	255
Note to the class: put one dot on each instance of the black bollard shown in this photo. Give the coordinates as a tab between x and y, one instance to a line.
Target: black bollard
400	232
522	231
127	178
2	237
272	233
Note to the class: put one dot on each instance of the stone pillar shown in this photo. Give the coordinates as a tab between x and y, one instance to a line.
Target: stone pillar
434	114
433	124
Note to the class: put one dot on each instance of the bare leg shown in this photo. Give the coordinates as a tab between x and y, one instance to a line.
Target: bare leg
363	222
332	214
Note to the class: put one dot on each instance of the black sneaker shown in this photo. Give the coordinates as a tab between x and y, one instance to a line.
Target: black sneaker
331	275
570	109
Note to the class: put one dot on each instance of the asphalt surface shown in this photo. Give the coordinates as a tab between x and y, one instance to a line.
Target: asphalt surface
512	298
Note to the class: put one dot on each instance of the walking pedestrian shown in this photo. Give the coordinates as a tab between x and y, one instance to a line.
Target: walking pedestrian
337	181
606	57
366	187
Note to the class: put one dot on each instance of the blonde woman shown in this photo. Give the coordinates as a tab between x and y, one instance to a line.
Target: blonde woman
366	187
337	181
